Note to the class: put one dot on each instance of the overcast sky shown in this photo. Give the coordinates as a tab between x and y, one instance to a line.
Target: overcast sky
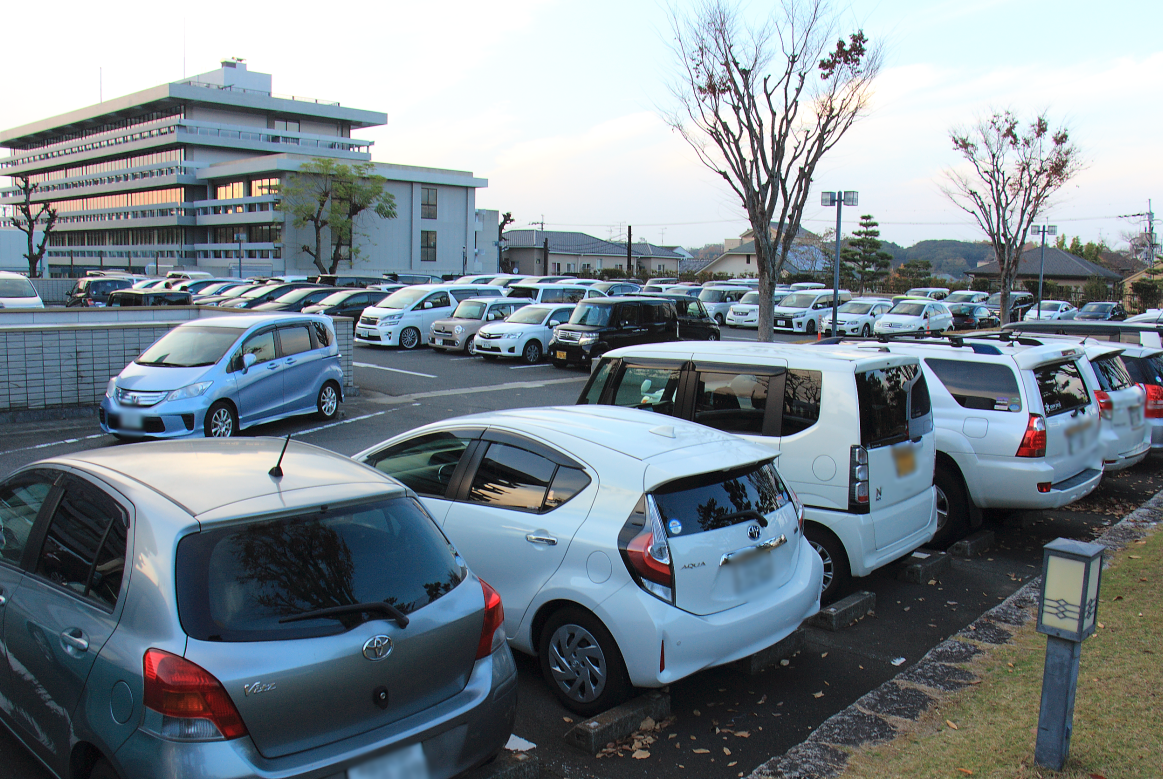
558	103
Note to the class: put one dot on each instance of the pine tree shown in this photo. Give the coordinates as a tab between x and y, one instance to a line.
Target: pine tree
863	257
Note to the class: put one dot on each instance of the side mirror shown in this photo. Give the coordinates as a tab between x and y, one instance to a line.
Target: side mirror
248	360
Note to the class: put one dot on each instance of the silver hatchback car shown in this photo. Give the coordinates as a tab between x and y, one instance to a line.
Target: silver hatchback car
184	608
215	376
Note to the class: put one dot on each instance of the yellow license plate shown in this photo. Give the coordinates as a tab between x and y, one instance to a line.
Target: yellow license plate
559	355
905	458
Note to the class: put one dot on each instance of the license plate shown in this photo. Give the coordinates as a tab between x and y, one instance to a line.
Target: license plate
131	420
447	342
752	572
407	763
905	458
362	332
559	355
784	323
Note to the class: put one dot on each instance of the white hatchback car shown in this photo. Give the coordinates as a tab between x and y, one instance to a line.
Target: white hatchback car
717	299
745	313
523	334
1050	309
16	291
915	317
857	317
629	549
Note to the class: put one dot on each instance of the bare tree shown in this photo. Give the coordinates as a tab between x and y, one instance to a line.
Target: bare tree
1011	176
26	221
761	104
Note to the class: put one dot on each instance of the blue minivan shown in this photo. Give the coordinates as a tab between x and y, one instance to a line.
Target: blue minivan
217	376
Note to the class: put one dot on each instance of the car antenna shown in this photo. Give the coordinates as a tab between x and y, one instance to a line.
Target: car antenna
277	471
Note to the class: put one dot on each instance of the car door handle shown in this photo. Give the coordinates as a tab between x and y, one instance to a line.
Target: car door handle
74	638
536	539
272	366
290	361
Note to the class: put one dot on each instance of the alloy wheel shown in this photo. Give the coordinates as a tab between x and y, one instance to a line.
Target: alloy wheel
577	663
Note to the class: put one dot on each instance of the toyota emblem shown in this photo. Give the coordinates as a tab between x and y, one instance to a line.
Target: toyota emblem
754	532
377	648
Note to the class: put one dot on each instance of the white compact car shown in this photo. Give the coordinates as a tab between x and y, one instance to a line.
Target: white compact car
915	317
857	317
1145	364
630	550
965	296
523	334
717	299
745	313
1050	309
936	293
16	291
807	312
403	317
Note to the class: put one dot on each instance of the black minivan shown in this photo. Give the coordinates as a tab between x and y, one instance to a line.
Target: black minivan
601	324
93	291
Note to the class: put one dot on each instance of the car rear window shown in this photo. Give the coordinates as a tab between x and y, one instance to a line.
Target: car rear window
238	583
884	405
1112	374
710	501
980	386
1061	387
1145	370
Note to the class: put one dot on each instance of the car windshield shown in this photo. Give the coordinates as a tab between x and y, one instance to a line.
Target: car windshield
335	298
1098	307
237	292
402	298
854	307
905	308
16	288
257	292
591	314
798	300
470	309
750	299
530	315
961	297
187	347
216	288
295	295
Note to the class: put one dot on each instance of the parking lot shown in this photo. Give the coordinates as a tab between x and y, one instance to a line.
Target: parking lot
739	720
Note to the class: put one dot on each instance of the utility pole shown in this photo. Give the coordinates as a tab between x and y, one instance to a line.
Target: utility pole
629	240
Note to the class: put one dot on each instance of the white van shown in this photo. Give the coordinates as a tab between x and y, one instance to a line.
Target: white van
402	317
16	291
804	311
552	292
854	429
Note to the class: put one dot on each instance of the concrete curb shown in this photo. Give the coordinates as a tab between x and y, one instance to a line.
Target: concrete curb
913	692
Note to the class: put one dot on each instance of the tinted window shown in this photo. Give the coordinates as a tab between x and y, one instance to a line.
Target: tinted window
919	403
20	500
1112	374
567	482
627	314
438	300
262	346
1061	387
559	318
593	391
523	293
884	405
322	334
1144	370
979	385
647	387
801	401
295	339
512	478
716	500
425	464
237	583
557	296
84	549
733	402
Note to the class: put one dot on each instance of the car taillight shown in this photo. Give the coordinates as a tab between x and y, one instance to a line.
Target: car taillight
493	631
193	705
1034	441
858	477
1105	407
1154	407
799	507
646	552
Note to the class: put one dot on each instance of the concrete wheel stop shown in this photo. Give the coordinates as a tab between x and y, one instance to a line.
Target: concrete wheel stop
924	565
594	734
845	611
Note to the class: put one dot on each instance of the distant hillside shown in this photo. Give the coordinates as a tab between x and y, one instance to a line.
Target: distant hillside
952	257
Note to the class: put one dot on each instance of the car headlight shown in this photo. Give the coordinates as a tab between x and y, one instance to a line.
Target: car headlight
458	329
390	319
111	388
189	391
511	336
588	338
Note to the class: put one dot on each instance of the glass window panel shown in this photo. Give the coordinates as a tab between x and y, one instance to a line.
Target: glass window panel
425	464
512	478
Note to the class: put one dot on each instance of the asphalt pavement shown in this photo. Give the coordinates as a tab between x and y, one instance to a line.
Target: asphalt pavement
741	720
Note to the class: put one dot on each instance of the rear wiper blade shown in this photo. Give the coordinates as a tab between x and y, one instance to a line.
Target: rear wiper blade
377	607
752	513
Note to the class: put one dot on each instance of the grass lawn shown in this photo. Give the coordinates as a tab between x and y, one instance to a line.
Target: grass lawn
1118	712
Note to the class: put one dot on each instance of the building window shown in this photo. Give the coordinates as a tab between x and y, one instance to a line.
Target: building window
231	190
428	246
557	267
428	204
587	266
260	187
286	125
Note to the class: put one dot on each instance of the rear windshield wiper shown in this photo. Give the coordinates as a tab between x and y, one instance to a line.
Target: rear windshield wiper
372	607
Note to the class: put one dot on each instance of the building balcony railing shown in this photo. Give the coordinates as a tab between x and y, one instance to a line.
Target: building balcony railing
262	92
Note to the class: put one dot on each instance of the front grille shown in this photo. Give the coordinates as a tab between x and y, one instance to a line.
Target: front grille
567	336
154	425
369	320
441	331
371	337
488	336
143	399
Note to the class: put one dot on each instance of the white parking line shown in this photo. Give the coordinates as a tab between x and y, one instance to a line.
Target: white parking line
520	367
54	443
458	359
393	370
344	422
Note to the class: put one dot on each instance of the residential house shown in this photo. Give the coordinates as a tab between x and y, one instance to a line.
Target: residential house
558	252
1062	268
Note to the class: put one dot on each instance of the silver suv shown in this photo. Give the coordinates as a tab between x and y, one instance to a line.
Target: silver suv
243	620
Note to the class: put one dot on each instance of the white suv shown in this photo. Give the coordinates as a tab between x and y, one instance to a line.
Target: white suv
808	312
628	549
854	431
1016	426
718	299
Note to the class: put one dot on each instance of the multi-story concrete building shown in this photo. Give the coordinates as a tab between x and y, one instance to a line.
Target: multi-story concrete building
187	174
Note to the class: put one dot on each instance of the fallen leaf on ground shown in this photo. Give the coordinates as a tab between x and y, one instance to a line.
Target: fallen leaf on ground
726	751
1134	557
762	700
951	724
818	695
647	724
733	762
823	655
701	751
697	713
965	771
567	719
743	734
641	754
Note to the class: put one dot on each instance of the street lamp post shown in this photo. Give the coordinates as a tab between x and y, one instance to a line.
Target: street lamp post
239	238
839	199
1043	230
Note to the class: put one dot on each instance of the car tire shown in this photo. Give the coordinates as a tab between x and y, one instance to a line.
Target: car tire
559	363
102	770
410	338
221	421
866	331
327	404
712	336
952	507
719	319
532	353
811	327
468	344
581	663
836	569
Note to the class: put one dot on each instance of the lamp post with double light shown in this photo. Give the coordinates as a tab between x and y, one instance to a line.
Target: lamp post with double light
1042	230
838	199
1067	614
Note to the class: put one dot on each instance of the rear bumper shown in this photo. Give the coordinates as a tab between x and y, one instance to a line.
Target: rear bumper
858	535
1012	482
1132	456
642	624
456	735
